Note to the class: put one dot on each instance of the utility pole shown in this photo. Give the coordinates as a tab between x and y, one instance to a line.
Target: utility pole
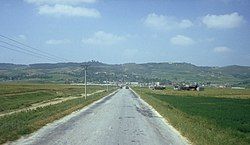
107	81
140	88
107	87
85	66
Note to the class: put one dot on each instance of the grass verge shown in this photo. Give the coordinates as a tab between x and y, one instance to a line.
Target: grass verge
203	120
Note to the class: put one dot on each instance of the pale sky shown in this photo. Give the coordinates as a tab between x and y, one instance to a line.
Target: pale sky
201	32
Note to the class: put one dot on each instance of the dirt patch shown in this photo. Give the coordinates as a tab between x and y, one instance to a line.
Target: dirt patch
145	111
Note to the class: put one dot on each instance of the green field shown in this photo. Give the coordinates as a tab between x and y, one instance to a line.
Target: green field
213	116
17	96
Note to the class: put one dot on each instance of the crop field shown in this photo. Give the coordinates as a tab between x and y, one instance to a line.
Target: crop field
18	96
213	116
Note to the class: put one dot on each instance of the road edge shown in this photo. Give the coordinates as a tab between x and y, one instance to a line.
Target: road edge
56	123
163	119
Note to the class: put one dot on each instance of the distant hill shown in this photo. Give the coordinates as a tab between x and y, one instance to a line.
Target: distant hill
6	66
146	72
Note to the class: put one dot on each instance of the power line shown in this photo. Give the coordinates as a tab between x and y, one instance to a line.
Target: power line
51	55
30	52
23	52
32	47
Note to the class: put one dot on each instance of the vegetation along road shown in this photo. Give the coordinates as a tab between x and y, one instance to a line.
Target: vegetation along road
27	107
122	118
212	117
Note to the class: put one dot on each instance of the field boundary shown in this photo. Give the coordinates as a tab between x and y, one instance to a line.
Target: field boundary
48	102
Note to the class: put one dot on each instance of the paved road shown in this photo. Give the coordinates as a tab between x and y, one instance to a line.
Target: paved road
121	119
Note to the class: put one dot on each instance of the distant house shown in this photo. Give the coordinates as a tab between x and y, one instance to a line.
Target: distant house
189	88
134	83
157	87
160	87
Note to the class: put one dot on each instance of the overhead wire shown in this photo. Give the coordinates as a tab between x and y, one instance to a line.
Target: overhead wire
17	50
43	53
29	51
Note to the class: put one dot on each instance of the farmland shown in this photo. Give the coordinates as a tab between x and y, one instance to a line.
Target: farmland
213	116
19	96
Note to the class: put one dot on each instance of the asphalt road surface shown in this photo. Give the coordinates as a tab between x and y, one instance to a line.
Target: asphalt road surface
119	119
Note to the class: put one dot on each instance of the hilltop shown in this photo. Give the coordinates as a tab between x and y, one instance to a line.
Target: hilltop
132	72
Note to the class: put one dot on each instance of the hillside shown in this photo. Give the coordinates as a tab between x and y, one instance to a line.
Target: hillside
147	72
